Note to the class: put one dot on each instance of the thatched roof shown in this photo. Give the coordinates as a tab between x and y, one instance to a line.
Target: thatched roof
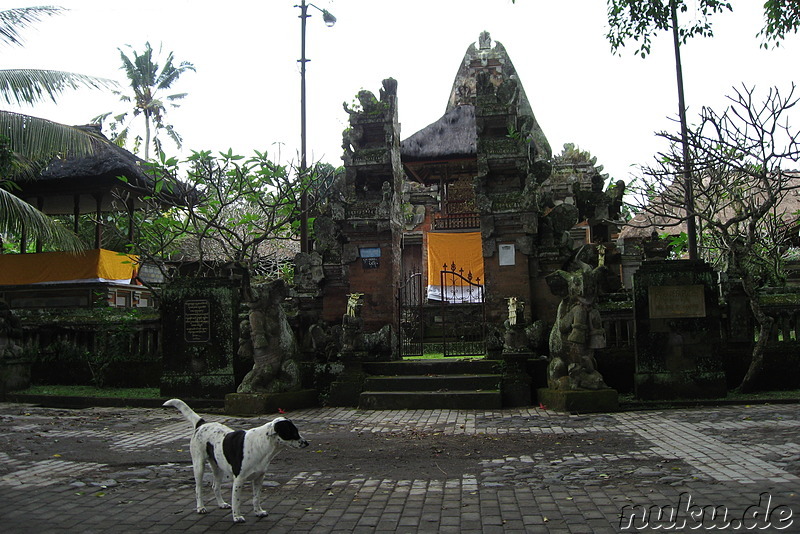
106	162
98	172
452	135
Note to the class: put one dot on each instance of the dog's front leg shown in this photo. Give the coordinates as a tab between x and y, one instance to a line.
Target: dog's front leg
258	483
236	498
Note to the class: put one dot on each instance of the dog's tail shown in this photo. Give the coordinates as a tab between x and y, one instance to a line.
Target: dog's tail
187	412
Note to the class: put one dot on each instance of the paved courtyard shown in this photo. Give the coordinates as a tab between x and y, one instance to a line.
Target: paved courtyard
117	470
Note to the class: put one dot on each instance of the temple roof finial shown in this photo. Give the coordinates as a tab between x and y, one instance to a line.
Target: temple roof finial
485	40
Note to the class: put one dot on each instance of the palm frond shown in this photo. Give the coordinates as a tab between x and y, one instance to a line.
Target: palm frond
177	96
30	86
16	214
14	20
33	139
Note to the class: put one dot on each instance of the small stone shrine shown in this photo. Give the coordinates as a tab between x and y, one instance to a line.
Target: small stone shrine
200	325
677	313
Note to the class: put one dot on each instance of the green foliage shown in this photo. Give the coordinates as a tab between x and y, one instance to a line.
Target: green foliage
781	17
640	20
518	135
678	244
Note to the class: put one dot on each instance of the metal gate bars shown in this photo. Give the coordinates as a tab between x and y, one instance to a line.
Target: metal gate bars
463	313
411	331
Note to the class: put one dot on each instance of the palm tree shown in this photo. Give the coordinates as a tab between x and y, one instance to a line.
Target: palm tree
27	141
147	80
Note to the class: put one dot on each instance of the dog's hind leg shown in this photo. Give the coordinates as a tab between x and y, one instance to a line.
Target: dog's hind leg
199	468
217	486
236	499
258	483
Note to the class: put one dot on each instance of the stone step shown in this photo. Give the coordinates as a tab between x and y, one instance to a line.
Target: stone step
433	367
433	382
424	400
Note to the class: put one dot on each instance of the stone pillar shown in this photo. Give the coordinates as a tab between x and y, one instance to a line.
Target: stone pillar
678	353
347	388
366	220
516	382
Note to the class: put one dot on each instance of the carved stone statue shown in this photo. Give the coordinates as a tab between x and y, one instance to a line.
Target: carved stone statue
515	338
353	304
514	306
578	330
352	325
271	343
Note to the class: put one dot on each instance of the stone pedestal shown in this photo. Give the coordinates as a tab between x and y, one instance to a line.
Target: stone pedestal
347	388
580	400
516	382
269	403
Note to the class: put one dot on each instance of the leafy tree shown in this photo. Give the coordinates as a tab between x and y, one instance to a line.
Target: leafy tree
741	184
781	17
29	142
640	20
245	215
240	211
148	80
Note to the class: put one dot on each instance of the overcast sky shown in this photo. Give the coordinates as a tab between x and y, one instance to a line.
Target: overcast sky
245	93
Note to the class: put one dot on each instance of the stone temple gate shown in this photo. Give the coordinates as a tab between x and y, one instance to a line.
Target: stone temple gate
477	192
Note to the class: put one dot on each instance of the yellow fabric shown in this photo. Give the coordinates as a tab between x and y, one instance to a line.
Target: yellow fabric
18	269
462	249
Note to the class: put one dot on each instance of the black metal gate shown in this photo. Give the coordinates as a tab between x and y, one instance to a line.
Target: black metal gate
412	317
463	313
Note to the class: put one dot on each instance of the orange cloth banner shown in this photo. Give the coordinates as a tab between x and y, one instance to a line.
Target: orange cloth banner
59	267
462	249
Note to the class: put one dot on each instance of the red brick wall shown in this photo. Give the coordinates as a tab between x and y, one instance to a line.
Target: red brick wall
503	281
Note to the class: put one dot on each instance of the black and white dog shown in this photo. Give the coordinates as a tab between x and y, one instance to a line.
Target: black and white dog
242	455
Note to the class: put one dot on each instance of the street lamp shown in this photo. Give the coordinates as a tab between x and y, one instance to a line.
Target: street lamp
329	21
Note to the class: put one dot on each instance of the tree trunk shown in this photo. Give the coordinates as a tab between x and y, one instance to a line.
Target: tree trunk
765	322
146	137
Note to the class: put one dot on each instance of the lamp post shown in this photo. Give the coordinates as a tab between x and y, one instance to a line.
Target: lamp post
329	21
691	223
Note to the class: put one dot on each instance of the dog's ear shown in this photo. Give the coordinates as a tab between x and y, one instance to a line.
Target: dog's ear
286	430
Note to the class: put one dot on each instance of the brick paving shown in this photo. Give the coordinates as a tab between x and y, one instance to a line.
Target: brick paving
742	460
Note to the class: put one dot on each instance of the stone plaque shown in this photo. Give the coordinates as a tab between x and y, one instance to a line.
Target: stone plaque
197	321
507	254
676	302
